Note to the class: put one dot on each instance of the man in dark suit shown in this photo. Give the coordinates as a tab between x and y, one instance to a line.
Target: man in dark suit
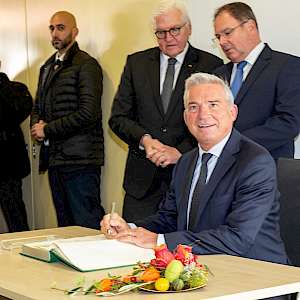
150	122
269	97
228	205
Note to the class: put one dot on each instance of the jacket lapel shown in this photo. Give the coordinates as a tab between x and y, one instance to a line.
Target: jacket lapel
225	162
187	182
154	78
262	61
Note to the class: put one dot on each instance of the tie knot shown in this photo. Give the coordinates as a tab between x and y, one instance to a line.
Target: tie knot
241	65
205	158
172	61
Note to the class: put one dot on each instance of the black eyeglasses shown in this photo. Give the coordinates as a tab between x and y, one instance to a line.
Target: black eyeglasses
175	31
227	32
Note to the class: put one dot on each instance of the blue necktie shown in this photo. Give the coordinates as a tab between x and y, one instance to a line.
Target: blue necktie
238	79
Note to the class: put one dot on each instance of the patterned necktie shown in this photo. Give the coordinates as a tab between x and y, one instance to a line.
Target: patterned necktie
193	221
168	84
238	78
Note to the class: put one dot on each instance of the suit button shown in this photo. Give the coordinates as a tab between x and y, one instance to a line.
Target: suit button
164	129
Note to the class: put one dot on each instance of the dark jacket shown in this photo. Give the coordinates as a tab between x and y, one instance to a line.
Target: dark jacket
69	101
137	110
15	107
238	212
269	101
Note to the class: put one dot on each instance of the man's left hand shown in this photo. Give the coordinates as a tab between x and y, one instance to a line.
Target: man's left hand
168	155
37	131
138	236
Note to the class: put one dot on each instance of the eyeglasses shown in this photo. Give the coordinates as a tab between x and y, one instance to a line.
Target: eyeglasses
227	32
175	31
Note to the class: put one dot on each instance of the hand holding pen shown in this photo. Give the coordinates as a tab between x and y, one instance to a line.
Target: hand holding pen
112	223
111	230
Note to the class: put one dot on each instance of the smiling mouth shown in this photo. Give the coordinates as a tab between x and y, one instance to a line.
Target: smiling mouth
205	125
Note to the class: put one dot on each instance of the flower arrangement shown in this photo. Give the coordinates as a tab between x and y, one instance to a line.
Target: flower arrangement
168	271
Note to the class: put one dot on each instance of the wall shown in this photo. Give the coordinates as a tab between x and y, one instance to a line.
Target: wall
109	30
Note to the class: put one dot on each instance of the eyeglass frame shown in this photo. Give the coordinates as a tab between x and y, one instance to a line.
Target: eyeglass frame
227	32
177	30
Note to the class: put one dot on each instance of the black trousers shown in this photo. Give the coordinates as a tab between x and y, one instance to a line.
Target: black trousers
76	195
12	204
139	208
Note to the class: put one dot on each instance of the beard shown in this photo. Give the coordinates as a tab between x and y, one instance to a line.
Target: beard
62	44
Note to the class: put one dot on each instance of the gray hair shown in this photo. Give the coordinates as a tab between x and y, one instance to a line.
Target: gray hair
166	5
204	78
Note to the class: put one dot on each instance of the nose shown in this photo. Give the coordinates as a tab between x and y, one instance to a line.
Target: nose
223	40
203	111
169	36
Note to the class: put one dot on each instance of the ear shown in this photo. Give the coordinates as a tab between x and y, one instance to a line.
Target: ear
185	116
251	25
189	28
75	32
234	112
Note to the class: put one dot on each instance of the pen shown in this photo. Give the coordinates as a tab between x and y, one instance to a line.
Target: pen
113	207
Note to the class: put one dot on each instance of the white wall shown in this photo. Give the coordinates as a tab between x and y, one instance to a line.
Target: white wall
109	30
278	22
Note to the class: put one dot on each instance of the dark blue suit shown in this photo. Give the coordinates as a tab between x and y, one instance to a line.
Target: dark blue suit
269	101
239	209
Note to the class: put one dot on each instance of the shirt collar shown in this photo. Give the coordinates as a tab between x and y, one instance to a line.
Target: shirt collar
60	56
217	149
180	57
253	55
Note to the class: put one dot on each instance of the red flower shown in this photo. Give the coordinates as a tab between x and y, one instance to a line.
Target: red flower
185	255
163	256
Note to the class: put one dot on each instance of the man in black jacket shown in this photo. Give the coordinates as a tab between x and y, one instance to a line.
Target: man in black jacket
148	120
67	120
15	107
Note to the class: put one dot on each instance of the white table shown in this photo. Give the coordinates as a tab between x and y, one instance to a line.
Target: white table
237	278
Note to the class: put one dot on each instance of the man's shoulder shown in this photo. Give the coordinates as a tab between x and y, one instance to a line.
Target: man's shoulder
252	151
150	52
204	53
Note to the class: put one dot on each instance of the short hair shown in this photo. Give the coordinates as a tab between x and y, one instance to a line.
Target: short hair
166	5
239	10
204	78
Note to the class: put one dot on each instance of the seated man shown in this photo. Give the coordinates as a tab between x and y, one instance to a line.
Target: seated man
223	196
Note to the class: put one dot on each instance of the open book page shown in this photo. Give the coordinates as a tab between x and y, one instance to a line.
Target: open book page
96	252
39	250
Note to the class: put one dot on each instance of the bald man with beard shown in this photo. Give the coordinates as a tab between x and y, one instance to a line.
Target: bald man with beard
67	122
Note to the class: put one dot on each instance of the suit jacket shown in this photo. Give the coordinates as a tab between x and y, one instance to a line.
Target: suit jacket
269	101
239	210
137	110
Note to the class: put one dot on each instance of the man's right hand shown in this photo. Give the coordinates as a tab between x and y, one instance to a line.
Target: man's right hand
112	224
152	146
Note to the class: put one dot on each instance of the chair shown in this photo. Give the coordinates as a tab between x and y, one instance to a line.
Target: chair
288	174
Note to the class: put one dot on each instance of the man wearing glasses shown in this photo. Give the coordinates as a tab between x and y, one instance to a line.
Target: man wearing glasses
147	111
265	83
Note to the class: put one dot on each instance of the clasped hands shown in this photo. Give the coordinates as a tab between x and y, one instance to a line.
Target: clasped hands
37	131
115	227
158	153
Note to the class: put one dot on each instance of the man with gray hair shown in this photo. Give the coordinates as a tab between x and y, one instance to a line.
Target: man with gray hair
147	111
223	196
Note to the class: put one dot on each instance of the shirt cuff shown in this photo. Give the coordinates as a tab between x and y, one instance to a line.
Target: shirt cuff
132	225
141	146
160	239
